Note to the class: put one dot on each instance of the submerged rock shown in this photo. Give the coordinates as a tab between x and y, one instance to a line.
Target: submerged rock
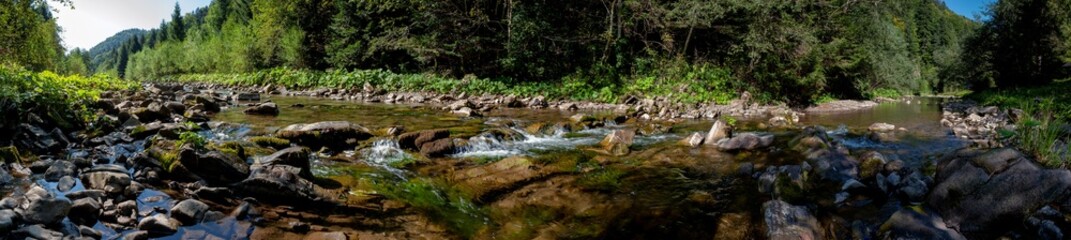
992	193
37	231
503	174
785	221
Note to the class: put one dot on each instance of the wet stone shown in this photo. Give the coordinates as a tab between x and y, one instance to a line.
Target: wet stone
85	211
189	211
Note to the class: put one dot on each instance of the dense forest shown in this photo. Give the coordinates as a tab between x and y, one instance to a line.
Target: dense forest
795	52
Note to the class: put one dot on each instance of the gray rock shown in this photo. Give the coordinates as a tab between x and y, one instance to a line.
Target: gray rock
7	219
85	211
717	132
746	141
66	183
785	221
159	225
137	235
980	195
90	232
59	169
467	112
693	140
45	210
279	184
37	231
214	167
189	211
292	156
110	178
910	224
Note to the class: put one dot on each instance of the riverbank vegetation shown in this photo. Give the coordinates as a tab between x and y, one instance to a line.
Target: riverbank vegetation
27	96
794	52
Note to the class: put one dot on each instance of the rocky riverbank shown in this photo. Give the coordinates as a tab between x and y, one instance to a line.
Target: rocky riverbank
472	105
154	165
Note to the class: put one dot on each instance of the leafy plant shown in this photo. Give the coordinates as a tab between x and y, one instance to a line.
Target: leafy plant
192	139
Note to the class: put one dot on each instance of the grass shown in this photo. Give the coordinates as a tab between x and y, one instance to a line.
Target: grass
1042	130
193	139
1042	134
1055	95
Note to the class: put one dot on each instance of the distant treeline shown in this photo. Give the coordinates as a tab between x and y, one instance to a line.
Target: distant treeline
795	52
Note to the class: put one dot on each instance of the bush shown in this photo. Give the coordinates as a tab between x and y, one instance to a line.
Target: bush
62	99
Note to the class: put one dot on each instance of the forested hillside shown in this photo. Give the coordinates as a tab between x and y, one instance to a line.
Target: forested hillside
792	51
795	52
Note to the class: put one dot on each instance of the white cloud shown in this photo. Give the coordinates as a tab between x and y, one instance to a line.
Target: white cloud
92	21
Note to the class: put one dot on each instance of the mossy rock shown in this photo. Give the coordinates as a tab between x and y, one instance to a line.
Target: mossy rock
10	154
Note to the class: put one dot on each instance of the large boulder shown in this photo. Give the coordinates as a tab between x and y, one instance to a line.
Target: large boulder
787	222
265	109
746	141
334	135
985	195
110	178
617	143
503	174
909	223
214	167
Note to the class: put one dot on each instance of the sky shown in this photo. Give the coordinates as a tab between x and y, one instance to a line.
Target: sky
92	21
968	8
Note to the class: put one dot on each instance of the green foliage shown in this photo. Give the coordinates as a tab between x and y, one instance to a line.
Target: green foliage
62	98
1052	98
168	159
1042	135
442	204
192	139
1023	43
29	36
